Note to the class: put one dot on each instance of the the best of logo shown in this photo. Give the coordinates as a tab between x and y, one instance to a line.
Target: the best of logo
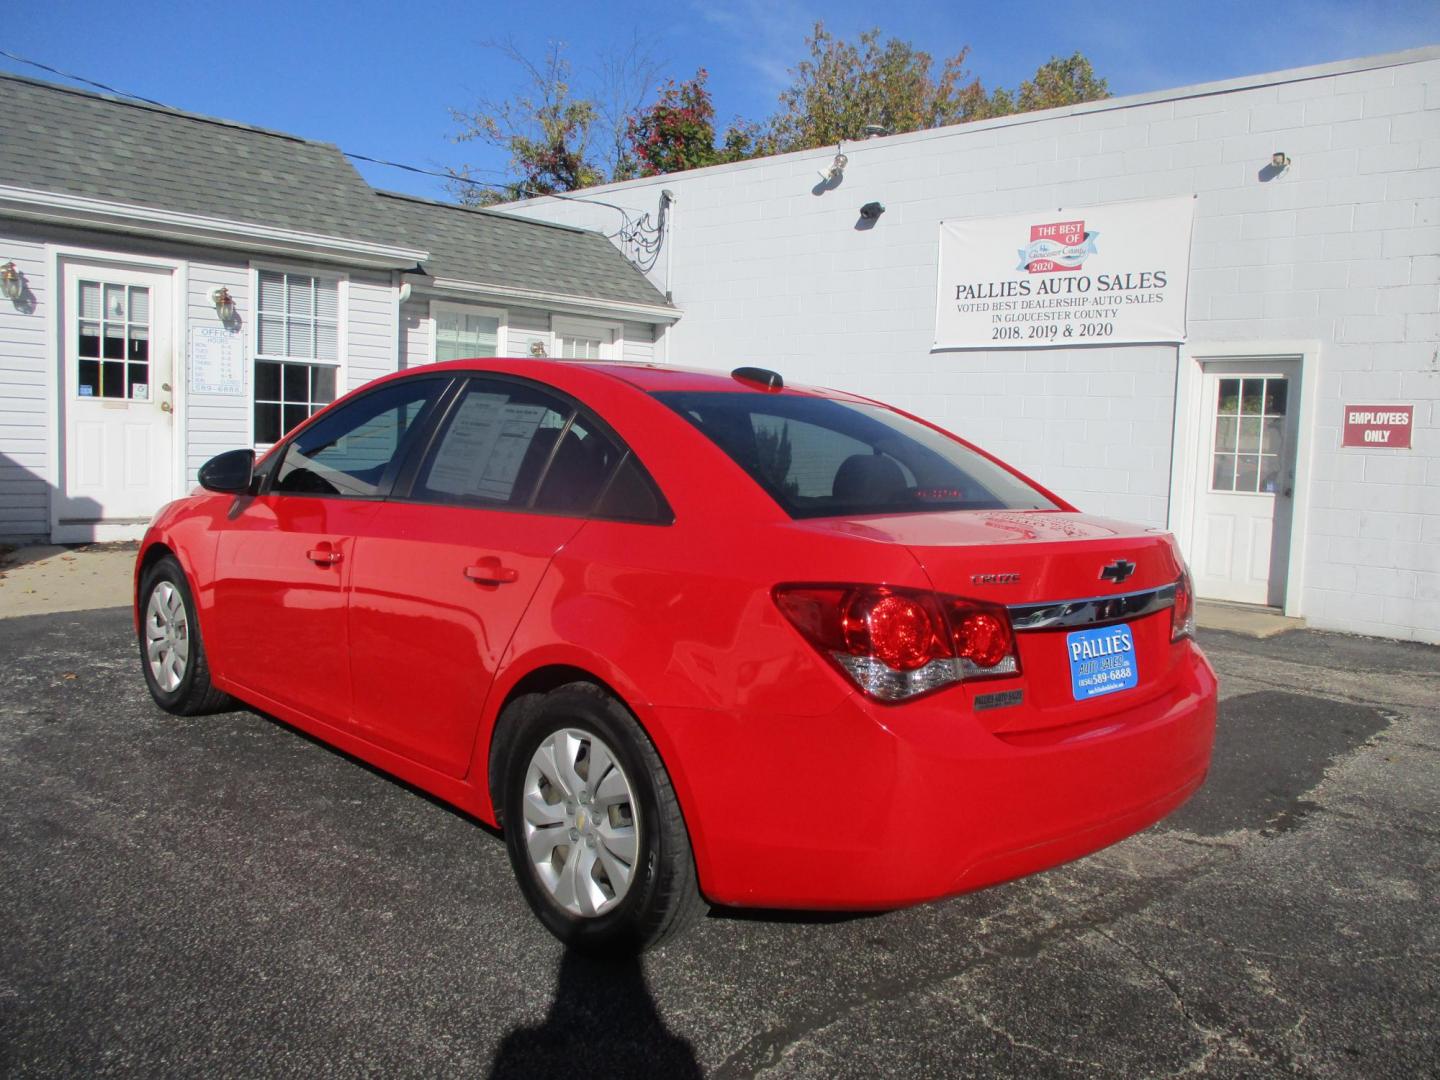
1060	245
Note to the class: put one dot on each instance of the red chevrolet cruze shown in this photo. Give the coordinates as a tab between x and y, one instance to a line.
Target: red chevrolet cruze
687	635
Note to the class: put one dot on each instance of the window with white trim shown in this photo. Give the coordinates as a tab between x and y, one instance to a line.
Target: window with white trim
297	349
465	330
586	339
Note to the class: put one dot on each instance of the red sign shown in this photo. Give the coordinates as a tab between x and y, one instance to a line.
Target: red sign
1385	426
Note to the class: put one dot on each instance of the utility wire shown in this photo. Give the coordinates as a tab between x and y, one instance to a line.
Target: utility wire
642	234
82	79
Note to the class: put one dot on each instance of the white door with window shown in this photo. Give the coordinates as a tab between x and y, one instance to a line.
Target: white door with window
116	402
586	339
1247	482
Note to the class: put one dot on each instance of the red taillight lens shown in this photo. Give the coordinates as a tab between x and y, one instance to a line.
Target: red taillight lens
897	643
894	629
983	638
1182	616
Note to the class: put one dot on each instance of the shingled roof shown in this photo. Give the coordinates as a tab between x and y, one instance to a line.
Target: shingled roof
58	139
492	248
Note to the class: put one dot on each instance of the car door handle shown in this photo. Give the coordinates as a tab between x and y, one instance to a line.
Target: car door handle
490	572
324	555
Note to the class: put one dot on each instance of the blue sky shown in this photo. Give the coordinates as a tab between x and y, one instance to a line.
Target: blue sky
380	78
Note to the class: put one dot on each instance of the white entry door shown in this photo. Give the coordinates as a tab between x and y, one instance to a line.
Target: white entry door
1247	482
116	403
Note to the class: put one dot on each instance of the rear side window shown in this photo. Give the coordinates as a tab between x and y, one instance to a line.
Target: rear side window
818	457
512	445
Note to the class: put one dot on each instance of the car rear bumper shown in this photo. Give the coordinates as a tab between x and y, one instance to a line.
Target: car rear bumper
877	807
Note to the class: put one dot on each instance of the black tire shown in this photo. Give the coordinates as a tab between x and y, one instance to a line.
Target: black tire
193	694
663	896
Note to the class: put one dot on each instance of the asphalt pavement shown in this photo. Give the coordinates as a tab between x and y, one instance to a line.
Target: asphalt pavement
224	896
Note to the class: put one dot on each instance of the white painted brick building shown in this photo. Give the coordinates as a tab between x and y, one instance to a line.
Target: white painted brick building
1327	274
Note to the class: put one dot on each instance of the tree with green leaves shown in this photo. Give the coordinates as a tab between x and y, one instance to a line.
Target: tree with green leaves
1061	81
559	138
842	88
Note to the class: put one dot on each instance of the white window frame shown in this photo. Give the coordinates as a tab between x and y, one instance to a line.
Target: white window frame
564	325
342	313
502	332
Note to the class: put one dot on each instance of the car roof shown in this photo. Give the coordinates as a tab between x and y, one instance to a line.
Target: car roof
647	377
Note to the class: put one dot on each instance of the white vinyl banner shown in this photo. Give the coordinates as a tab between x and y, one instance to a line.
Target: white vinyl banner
1099	275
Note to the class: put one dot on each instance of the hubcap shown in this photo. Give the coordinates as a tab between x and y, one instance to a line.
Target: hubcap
581	822
167	635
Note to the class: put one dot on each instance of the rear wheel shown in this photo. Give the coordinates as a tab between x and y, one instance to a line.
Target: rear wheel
172	653
593	828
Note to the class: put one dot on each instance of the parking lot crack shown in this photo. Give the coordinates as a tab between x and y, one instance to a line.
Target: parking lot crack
766	1049
1216	1037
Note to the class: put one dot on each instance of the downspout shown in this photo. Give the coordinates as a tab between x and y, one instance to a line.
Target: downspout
667	212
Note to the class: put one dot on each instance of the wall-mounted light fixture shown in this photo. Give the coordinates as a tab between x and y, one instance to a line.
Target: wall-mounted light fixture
12	282
1279	161
871	211
224	303
836	169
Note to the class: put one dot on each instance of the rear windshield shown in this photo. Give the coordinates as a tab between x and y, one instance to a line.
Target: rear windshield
822	458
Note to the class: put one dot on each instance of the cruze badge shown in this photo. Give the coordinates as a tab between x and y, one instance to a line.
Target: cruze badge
1118	571
994	579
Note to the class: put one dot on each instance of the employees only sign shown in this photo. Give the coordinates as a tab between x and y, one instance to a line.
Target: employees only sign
1102	275
1386	426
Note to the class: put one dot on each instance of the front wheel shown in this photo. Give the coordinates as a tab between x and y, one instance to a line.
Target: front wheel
172	653
593	828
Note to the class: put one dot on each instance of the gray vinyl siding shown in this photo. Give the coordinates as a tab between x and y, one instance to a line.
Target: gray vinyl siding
415	333
639	343
370	329
25	466
215	423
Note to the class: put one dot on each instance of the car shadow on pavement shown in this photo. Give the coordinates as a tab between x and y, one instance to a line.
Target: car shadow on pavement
602	1023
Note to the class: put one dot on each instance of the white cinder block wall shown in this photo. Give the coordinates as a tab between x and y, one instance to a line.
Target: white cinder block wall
1342	249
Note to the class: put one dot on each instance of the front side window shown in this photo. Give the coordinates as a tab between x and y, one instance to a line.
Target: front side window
354	451
297	350
818	457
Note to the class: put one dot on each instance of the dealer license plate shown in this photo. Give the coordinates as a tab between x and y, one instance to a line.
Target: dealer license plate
1102	661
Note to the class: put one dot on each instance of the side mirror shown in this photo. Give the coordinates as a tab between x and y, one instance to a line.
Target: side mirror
229	473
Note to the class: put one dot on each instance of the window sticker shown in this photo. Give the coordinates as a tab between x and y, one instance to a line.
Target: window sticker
140	391
482	452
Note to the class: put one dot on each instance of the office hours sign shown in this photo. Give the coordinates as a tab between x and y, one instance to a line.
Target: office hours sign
1100	275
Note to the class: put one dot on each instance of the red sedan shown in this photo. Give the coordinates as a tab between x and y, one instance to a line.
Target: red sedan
686	635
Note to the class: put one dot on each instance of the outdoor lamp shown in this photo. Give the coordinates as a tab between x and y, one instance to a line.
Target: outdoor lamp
11	283
871	211
224	303
1279	161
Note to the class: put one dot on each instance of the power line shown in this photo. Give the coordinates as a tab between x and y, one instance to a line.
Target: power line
82	79
645	236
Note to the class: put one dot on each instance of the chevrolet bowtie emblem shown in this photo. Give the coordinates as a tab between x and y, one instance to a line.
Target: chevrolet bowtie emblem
1118	571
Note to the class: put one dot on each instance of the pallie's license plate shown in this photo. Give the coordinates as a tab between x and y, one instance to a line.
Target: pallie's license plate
1102	661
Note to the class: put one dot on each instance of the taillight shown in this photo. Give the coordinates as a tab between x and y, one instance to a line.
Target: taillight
1182	615
897	643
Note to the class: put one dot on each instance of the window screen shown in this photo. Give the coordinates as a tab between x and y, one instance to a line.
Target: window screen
820	457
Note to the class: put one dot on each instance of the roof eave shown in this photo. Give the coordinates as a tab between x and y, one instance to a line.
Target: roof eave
566	302
77	210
